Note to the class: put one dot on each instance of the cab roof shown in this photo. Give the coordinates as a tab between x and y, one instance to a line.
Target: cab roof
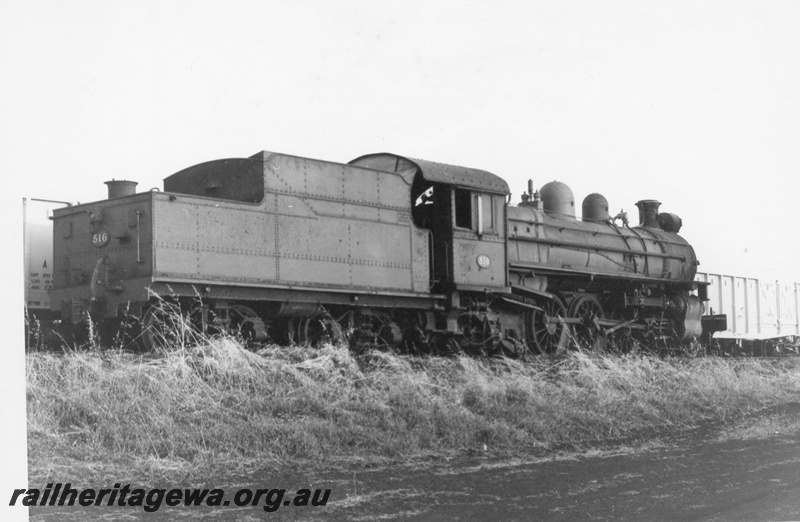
435	172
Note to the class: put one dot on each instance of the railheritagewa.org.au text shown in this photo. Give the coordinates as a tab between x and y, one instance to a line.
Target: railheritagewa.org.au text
152	499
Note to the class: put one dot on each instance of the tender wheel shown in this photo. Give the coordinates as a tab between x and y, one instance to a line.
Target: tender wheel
548	333
587	333
118	332
163	328
417	341
317	331
249	325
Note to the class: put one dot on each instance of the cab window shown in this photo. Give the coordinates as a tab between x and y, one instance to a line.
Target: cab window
475	210
486	202
463	203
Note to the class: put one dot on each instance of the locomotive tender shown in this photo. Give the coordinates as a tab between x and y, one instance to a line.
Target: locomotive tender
382	250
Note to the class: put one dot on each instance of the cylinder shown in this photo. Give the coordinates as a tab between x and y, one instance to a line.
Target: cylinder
119	188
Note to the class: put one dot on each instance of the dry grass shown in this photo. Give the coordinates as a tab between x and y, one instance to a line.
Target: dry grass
219	408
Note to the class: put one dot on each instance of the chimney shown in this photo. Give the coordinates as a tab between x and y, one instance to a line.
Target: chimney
648	213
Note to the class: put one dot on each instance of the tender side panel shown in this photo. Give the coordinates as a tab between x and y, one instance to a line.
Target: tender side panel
319	224
176	246
345	226
344	252
214	240
346	185
312	251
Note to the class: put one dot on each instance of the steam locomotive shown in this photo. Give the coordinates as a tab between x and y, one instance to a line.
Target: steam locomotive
383	250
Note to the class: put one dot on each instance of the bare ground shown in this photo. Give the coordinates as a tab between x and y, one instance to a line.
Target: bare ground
747	471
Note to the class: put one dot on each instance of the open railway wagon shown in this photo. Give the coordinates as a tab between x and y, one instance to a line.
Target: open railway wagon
382	251
763	316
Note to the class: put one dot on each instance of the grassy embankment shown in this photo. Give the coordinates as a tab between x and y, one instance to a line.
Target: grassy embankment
219	408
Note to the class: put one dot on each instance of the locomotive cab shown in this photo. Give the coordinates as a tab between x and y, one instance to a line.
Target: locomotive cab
467	229
465	211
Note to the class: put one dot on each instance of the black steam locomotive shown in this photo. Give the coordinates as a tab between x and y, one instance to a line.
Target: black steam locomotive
384	250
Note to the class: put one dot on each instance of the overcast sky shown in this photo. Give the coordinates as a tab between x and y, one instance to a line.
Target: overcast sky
692	103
